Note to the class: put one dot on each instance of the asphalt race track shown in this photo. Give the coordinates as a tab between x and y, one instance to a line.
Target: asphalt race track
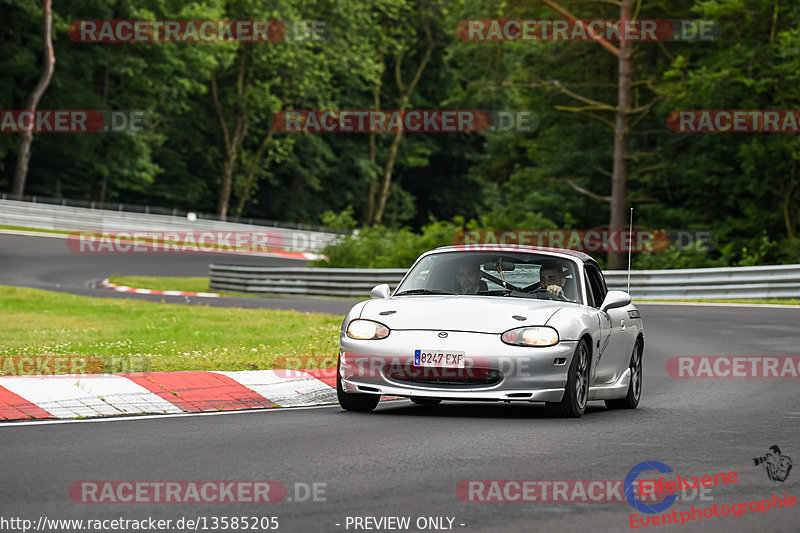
47	263
407	460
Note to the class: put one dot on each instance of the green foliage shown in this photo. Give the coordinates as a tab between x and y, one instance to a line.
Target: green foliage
342	220
743	187
693	256
381	247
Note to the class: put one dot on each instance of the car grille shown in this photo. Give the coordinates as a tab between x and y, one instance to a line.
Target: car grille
445	376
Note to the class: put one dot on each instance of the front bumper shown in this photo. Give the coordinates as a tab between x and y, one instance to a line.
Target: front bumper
496	371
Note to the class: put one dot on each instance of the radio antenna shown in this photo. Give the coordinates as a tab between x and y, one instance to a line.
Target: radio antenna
630	247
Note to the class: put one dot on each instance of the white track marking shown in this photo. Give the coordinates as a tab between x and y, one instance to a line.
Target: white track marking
76	396
155	417
285	387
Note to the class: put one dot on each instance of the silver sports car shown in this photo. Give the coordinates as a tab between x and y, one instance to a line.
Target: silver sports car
495	323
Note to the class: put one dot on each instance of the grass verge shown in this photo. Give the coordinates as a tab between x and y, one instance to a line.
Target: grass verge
33	230
47	332
169	283
188	284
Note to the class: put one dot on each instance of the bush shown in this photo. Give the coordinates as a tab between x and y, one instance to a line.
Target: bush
382	247
694	256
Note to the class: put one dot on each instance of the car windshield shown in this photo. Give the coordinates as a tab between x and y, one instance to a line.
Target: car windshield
508	274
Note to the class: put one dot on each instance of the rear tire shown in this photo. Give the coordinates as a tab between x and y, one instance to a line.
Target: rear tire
631	400
354	401
576	393
426	401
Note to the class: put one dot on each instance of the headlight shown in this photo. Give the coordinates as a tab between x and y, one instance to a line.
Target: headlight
531	336
366	329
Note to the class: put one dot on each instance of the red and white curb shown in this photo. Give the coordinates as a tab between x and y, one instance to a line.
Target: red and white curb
93	395
124	288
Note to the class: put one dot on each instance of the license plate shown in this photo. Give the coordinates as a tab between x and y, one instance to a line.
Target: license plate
439	358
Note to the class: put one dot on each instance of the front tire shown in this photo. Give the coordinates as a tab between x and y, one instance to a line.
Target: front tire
354	401
631	400
576	393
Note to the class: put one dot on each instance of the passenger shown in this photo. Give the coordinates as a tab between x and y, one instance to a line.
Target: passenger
469	279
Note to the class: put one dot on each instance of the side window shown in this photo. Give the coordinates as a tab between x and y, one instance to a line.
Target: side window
597	284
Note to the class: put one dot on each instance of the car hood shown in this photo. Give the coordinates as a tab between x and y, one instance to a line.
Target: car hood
487	314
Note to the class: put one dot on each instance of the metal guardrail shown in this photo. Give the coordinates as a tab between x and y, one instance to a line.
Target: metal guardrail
780	281
345	282
155	210
773	281
67	218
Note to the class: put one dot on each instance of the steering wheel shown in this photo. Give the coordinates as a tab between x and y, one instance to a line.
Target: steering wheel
542	293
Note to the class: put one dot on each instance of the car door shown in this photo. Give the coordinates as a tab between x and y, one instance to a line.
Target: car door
594	297
611	358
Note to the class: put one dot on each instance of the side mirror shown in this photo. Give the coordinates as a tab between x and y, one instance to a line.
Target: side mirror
382	291
615	299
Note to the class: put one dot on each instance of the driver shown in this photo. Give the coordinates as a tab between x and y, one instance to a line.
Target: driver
469	279
551	278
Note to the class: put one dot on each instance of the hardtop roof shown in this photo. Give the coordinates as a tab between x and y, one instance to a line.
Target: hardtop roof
580	256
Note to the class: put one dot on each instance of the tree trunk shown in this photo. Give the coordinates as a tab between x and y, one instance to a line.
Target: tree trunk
233	139
24	154
225	188
370	212
788	213
98	191
369	216
251	170
103	189
391	157
405	95
616	260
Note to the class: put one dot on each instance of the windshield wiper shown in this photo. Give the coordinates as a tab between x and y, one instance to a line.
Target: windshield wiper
421	291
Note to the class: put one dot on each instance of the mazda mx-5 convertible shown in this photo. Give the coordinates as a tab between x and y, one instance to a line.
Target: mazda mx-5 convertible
496	323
